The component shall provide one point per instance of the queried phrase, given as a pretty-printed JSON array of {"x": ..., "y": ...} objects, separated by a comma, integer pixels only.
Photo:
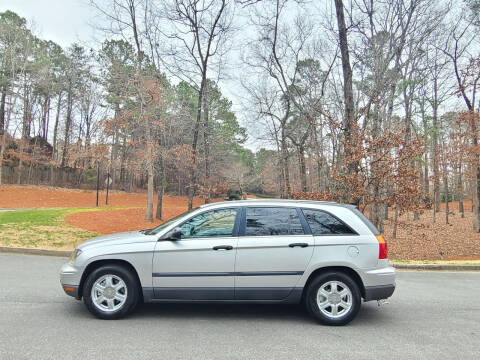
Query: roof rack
[{"x": 313, "y": 202}]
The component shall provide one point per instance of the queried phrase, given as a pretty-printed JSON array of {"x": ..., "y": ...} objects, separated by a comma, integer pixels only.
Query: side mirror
[{"x": 174, "y": 235}]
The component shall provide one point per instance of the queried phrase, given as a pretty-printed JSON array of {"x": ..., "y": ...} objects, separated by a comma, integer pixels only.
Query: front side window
[
  {"x": 167, "y": 223},
  {"x": 263, "y": 221},
  {"x": 214, "y": 223},
  {"x": 323, "y": 223}
]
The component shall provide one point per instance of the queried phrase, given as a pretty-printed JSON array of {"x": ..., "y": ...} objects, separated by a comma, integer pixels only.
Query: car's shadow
[
  {"x": 222, "y": 311},
  {"x": 369, "y": 313}
]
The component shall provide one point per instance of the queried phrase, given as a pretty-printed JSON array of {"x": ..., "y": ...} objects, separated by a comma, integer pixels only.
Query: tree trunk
[
  {"x": 44, "y": 118},
  {"x": 436, "y": 172},
  {"x": 123, "y": 177},
  {"x": 193, "y": 179},
  {"x": 426, "y": 178},
  {"x": 476, "y": 215},
  {"x": 20, "y": 163},
  {"x": 395, "y": 222},
  {"x": 303, "y": 168},
  {"x": 352, "y": 166},
  {"x": 460, "y": 192},
  {"x": 286, "y": 173},
  {"x": 150, "y": 163},
  {"x": 68, "y": 123},
  {"x": 158, "y": 214},
  {"x": 149, "y": 212},
  {"x": 445, "y": 186},
  {"x": 2, "y": 111},
  {"x": 2, "y": 150},
  {"x": 54, "y": 143},
  {"x": 206, "y": 143},
  {"x": 319, "y": 158},
  {"x": 3, "y": 131}
]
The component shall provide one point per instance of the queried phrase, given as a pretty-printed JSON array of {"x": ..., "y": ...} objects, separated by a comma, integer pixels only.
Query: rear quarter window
[
  {"x": 365, "y": 220},
  {"x": 324, "y": 223}
]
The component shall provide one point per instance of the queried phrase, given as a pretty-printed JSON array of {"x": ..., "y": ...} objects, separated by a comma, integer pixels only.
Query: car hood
[{"x": 119, "y": 238}]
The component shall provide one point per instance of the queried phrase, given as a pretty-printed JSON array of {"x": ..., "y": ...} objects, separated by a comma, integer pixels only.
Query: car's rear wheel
[
  {"x": 110, "y": 292},
  {"x": 333, "y": 298}
]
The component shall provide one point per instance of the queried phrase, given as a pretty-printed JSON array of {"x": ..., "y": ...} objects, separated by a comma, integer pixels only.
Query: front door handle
[
  {"x": 223, "y": 247},
  {"x": 298, "y": 245}
]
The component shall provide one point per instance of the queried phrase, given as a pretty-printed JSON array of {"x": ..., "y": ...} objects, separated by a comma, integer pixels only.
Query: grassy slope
[{"x": 41, "y": 229}]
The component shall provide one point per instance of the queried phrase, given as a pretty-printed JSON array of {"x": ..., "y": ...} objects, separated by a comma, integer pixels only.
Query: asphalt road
[{"x": 433, "y": 315}]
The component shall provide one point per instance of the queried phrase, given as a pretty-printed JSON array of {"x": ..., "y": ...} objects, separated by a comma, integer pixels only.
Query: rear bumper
[
  {"x": 379, "y": 283},
  {"x": 378, "y": 292}
]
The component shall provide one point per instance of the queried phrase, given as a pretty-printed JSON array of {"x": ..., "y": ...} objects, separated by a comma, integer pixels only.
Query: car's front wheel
[
  {"x": 110, "y": 292},
  {"x": 333, "y": 298}
]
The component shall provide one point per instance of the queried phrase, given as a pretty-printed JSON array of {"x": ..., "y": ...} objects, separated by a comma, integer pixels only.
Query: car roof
[{"x": 275, "y": 202}]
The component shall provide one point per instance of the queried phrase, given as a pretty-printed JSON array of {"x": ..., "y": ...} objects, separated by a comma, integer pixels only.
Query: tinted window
[
  {"x": 215, "y": 223},
  {"x": 322, "y": 223},
  {"x": 272, "y": 221}
]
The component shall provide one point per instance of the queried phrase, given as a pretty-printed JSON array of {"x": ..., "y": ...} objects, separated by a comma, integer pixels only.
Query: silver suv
[{"x": 326, "y": 255}]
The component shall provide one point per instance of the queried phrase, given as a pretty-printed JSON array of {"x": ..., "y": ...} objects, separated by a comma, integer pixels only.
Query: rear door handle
[
  {"x": 298, "y": 245},
  {"x": 223, "y": 247}
]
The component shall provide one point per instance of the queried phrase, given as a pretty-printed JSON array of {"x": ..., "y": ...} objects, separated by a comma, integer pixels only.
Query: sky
[
  {"x": 70, "y": 21},
  {"x": 62, "y": 21}
]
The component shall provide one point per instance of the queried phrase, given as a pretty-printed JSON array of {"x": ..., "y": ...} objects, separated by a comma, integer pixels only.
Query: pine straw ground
[
  {"x": 15, "y": 196},
  {"x": 425, "y": 240},
  {"x": 416, "y": 240}
]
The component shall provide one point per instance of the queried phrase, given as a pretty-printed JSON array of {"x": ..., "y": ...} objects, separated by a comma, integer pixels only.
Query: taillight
[{"x": 382, "y": 247}]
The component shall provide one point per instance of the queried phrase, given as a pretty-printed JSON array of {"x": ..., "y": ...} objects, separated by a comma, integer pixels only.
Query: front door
[
  {"x": 199, "y": 266},
  {"x": 273, "y": 252}
]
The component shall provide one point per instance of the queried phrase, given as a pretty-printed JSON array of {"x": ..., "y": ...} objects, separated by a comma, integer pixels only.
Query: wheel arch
[
  {"x": 98, "y": 263},
  {"x": 342, "y": 269}
]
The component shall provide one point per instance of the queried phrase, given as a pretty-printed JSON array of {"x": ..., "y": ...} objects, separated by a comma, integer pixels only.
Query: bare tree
[
  {"x": 457, "y": 48},
  {"x": 198, "y": 37}
]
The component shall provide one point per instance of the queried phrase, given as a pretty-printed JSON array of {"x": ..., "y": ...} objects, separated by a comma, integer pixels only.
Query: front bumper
[
  {"x": 71, "y": 290},
  {"x": 70, "y": 277}
]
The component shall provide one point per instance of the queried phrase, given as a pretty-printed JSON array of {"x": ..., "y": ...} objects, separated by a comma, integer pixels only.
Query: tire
[
  {"x": 346, "y": 300},
  {"x": 116, "y": 292}
]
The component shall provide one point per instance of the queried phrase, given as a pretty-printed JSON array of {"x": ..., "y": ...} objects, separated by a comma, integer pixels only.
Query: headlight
[{"x": 74, "y": 256}]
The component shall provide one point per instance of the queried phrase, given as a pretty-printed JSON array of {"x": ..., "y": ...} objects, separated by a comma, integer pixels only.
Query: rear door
[{"x": 274, "y": 249}]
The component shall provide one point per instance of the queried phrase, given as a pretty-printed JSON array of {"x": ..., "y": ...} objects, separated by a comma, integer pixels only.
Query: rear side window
[
  {"x": 264, "y": 221},
  {"x": 323, "y": 223}
]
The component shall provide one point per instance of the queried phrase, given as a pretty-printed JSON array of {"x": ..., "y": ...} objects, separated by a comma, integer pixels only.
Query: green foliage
[
  {"x": 234, "y": 194},
  {"x": 118, "y": 62},
  {"x": 91, "y": 174},
  {"x": 14, "y": 39},
  {"x": 450, "y": 197}
]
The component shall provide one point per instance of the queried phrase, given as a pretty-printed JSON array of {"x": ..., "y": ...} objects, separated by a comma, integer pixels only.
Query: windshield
[{"x": 167, "y": 223}]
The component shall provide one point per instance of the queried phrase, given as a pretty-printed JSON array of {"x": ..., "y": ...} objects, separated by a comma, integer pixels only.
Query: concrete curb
[
  {"x": 28, "y": 251},
  {"x": 437, "y": 267},
  {"x": 428, "y": 267}
]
